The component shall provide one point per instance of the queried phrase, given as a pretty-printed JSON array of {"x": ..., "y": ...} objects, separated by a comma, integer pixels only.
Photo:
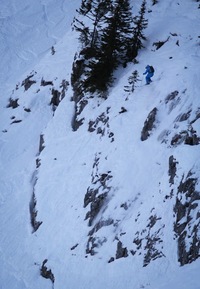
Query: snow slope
[
  {"x": 28, "y": 31},
  {"x": 48, "y": 170}
]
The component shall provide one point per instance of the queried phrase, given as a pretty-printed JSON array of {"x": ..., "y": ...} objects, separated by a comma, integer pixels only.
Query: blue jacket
[{"x": 148, "y": 71}]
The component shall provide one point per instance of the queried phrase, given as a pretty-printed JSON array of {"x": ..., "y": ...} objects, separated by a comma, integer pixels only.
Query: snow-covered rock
[{"x": 107, "y": 197}]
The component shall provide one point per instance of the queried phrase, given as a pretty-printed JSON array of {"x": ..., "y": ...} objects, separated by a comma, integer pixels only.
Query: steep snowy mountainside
[
  {"x": 23, "y": 121},
  {"x": 115, "y": 203},
  {"x": 28, "y": 31}
]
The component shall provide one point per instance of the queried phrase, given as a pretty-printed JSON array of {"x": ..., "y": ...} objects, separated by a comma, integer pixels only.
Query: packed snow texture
[{"x": 47, "y": 168}]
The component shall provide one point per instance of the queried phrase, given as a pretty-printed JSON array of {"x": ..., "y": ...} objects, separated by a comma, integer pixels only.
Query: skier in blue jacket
[{"x": 150, "y": 72}]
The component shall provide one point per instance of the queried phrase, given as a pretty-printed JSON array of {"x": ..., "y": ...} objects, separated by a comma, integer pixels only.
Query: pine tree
[
  {"x": 138, "y": 37},
  {"x": 124, "y": 30},
  {"x": 86, "y": 23},
  {"x": 93, "y": 10},
  {"x": 118, "y": 33},
  {"x": 132, "y": 80},
  {"x": 115, "y": 39},
  {"x": 106, "y": 39}
]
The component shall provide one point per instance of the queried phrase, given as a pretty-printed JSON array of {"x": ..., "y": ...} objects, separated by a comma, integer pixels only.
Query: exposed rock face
[
  {"x": 149, "y": 124},
  {"x": 77, "y": 121},
  {"x": 97, "y": 201},
  {"x": 97, "y": 193},
  {"x": 188, "y": 137},
  {"x": 46, "y": 273},
  {"x": 77, "y": 71},
  {"x": 184, "y": 116},
  {"x": 150, "y": 239},
  {"x": 41, "y": 144},
  {"x": 45, "y": 83},
  {"x": 121, "y": 252},
  {"x": 55, "y": 100},
  {"x": 172, "y": 169},
  {"x": 33, "y": 212},
  {"x": 28, "y": 82},
  {"x": 78, "y": 95},
  {"x": 187, "y": 223},
  {"x": 41, "y": 147},
  {"x": 101, "y": 223},
  {"x": 171, "y": 96},
  {"x": 57, "y": 95},
  {"x": 13, "y": 103},
  {"x": 33, "y": 203},
  {"x": 159, "y": 44},
  {"x": 101, "y": 125},
  {"x": 97, "y": 197},
  {"x": 172, "y": 100}
]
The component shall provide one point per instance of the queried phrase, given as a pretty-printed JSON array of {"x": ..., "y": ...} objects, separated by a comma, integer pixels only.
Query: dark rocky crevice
[
  {"x": 45, "y": 83},
  {"x": 13, "y": 103},
  {"x": 151, "y": 252},
  {"x": 187, "y": 220},
  {"x": 100, "y": 224},
  {"x": 149, "y": 124},
  {"x": 95, "y": 207},
  {"x": 172, "y": 96},
  {"x": 96, "y": 198},
  {"x": 97, "y": 193},
  {"x": 149, "y": 241},
  {"x": 58, "y": 95},
  {"x": 33, "y": 202},
  {"x": 41, "y": 143},
  {"x": 33, "y": 213},
  {"x": 172, "y": 100},
  {"x": 101, "y": 125},
  {"x": 188, "y": 137},
  {"x": 121, "y": 252},
  {"x": 93, "y": 244},
  {"x": 184, "y": 116},
  {"x": 196, "y": 118},
  {"x": 159, "y": 44},
  {"x": 46, "y": 273},
  {"x": 172, "y": 169},
  {"x": 28, "y": 82},
  {"x": 79, "y": 107}
]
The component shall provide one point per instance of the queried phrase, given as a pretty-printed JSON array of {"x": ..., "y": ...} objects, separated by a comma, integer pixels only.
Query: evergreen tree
[
  {"x": 107, "y": 36},
  {"x": 124, "y": 34},
  {"x": 140, "y": 23},
  {"x": 118, "y": 33},
  {"x": 87, "y": 23},
  {"x": 115, "y": 39},
  {"x": 84, "y": 35},
  {"x": 132, "y": 80},
  {"x": 94, "y": 11}
]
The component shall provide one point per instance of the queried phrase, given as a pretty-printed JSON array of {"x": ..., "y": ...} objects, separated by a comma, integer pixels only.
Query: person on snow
[{"x": 150, "y": 72}]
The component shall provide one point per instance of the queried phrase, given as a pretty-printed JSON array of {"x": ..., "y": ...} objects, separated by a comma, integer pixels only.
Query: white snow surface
[{"x": 139, "y": 169}]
